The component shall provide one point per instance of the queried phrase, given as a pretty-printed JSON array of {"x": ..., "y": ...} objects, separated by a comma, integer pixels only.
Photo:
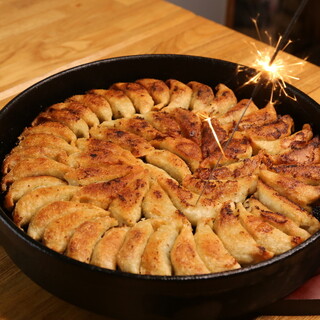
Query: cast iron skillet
[{"x": 129, "y": 296}]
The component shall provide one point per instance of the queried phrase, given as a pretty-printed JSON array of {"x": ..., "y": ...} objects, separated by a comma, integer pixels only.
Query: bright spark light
[{"x": 276, "y": 72}]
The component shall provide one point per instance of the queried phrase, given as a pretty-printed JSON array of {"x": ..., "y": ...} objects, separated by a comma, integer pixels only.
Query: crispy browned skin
[
  {"x": 139, "y": 96},
  {"x": 189, "y": 123},
  {"x": 129, "y": 141},
  {"x": 239, "y": 148},
  {"x": 97, "y": 103},
  {"x": 163, "y": 122},
  {"x": 309, "y": 173},
  {"x": 224, "y": 100},
  {"x": 138, "y": 126},
  {"x": 271, "y": 131},
  {"x": 180, "y": 95},
  {"x": 158, "y": 90},
  {"x": 202, "y": 97}
]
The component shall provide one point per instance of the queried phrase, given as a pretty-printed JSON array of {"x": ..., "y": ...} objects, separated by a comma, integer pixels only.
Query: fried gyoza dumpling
[
  {"x": 19, "y": 154},
  {"x": 85, "y": 237},
  {"x": 130, "y": 253},
  {"x": 224, "y": 100},
  {"x": 234, "y": 113},
  {"x": 259, "y": 118},
  {"x": 158, "y": 90},
  {"x": 276, "y": 219},
  {"x": 157, "y": 204},
  {"x": 189, "y": 123},
  {"x": 202, "y": 97},
  {"x": 120, "y": 104},
  {"x": 184, "y": 256},
  {"x": 76, "y": 124},
  {"x": 54, "y": 210},
  {"x": 58, "y": 232},
  {"x": 236, "y": 238},
  {"x": 309, "y": 173},
  {"x": 180, "y": 95},
  {"x": 24, "y": 185},
  {"x": 106, "y": 249},
  {"x": 238, "y": 149},
  {"x": 136, "y": 125},
  {"x": 295, "y": 190},
  {"x": 155, "y": 259},
  {"x": 283, "y": 144},
  {"x": 189, "y": 203},
  {"x": 139, "y": 96},
  {"x": 222, "y": 190},
  {"x": 265, "y": 233},
  {"x": 164, "y": 123},
  {"x": 35, "y": 167},
  {"x": 183, "y": 148},
  {"x": 51, "y": 127},
  {"x": 97, "y": 103},
  {"x": 29, "y": 204},
  {"x": 169, "y": 162},
  {"x": 126, "y": 205},
  {"x": 129, "y": 141},
  {"x": 211, "y": 250},
  {"x": 277, "y": 203},
  {"x": 46, "y": 140},
  {"x": 277, "y": 129}
]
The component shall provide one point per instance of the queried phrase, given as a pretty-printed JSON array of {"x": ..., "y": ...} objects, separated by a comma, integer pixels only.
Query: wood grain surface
[{"x": 39, "y": 38}]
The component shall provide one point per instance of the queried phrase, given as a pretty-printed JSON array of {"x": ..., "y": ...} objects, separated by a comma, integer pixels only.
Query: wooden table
[{"x": 39, "y": 38}]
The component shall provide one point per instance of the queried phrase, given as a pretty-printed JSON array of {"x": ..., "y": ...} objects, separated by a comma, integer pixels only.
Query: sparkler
[{"x": 269, "y": 70}]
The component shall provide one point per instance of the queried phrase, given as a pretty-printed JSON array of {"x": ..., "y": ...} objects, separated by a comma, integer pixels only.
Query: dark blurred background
[{"x": 273, "y": 18}]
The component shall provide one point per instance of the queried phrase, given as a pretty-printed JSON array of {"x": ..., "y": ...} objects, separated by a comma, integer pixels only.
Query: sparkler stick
[{"x": 281, "y": 45}]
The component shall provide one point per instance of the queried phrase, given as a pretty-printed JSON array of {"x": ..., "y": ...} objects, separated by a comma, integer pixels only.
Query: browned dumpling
[
  {"x": 51, "y": 127},
  {"x": 189, "y": 123},
  {"x": 97, "y": 103},
  {"x": 202, "y": 97},
  {"x": 180, "y": 95},
  {"x": 309, "y": 173},
  {"x": 85, "y": 237},
  {"x": 265, "y": 233},
  {"x": 58, "y": 233},
  {"x": 29, "y": 204},
  {"x": 139, "y": 96},
  {"x": 131, "y": 251},
  {"x": 120, "y": 104},
  {"x": 127, "y": 140},
  {"x": 106, "y": 249},
  {"x": 19, "y": 154},
  {"x": 276, "y": 219},
  {"x": 158, "y": 90},
  {"x": 277, "y": 129},
  {"x": 169, "y": 162},
  {"x": 164, "y": 123},
  {"x": 184, "y": 256},
  {"x": 224, "y": 100},
  {"x": 211, "y": 250},
  {"x": 133, "y": 178},
  {"x": 182, "y": 147},
  {"x": 276, "y": 202},
  {"x": 24, "y": 185},
  {"x": 236, "y": 238},
  {"x": 35, "y": 167},
  {"x": 48, "y": 213},
  {"x": 155, "y": 259}
]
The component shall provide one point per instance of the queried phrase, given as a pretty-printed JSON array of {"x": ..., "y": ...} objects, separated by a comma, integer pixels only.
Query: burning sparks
[{"x": 276, "y": 72}]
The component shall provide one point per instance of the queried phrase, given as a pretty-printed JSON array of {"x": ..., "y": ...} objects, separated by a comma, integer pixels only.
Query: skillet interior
[{"x": 151, "y": 297}]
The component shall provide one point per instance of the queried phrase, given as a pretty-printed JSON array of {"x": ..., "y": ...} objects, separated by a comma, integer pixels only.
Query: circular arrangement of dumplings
[{"x": 113, "y": 177}]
